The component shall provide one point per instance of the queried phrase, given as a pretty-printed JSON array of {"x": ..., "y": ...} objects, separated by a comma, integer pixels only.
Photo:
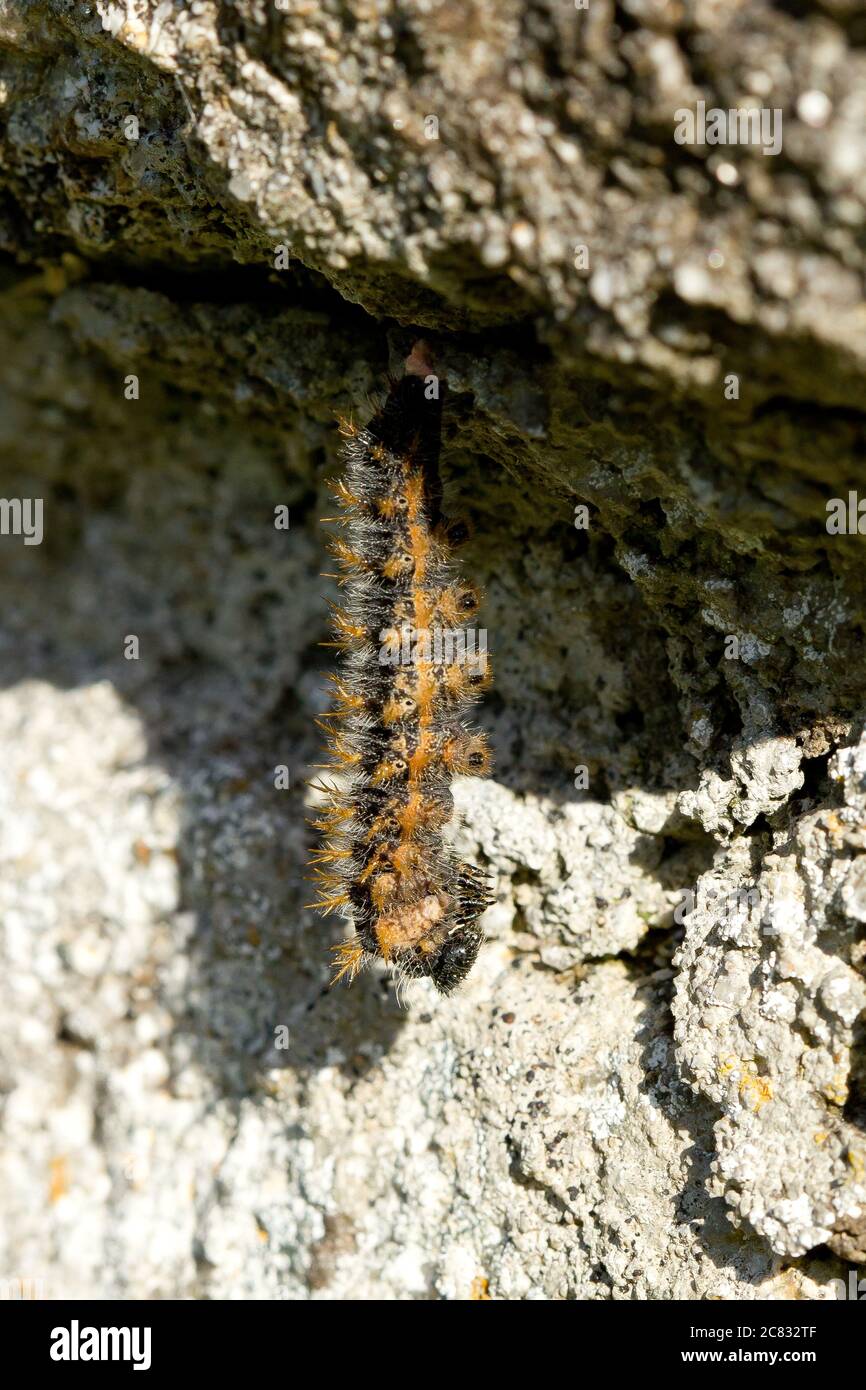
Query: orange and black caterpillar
[{"x": 396, "y": 730}]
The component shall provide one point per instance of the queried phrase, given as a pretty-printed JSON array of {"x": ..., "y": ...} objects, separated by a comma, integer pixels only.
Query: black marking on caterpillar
[{"x": 396, "y": 732}]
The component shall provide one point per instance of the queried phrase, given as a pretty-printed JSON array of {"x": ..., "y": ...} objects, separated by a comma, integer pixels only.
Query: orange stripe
[{"x": 419, "y": 546}]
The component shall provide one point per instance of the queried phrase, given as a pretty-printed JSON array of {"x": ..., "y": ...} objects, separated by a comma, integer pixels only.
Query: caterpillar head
[
  {"x": 445, "y": 957},
  {"x": 452, "y": 961},
  {"x": 447, "y": 954}
]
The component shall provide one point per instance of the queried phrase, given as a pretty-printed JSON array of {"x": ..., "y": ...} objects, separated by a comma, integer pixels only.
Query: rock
[{"x": 220, "y": 228}]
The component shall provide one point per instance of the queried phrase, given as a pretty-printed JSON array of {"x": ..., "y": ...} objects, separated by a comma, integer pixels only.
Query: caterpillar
[{"x": 396, "y": 733}]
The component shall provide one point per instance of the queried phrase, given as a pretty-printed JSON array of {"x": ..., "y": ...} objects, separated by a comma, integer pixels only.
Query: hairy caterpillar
[{"x": 396, "y": 730}]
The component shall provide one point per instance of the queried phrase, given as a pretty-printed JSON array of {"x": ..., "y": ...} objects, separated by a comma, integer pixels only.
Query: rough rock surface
[{"x": 220, "y": 224}]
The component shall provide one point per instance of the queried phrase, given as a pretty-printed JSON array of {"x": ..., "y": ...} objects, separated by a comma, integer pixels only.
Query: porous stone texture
[
  {"x": 221, "y": 225},
  {"x": 768, "y": 994}
]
